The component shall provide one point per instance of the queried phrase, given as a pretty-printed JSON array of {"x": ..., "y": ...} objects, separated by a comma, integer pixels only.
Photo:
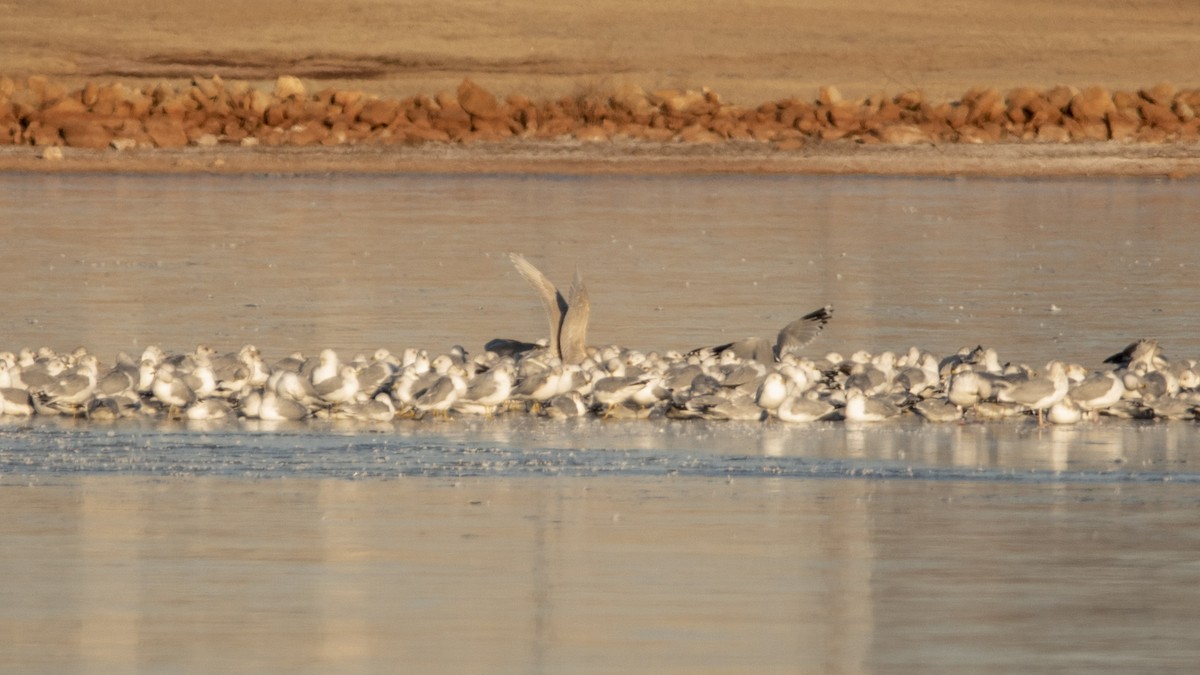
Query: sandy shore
[
  {"x": 748, "y": 52},
  {"x": 1091, "y": 159}
]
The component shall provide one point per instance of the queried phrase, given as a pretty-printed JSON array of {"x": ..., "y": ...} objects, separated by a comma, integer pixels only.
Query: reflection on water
[
  {"x": 599, "y": 575},
  {"x": 1106, "y": 451},
  {"x": 360, "y": 262}
]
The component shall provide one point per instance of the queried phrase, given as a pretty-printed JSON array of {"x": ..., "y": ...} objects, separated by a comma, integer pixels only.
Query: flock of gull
[{"x": 563, "y": 377}]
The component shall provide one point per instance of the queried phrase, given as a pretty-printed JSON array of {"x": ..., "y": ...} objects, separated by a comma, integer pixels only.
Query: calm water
[
  {"x": 528, "y": 546},
  {"x": 357, "y": 263}
]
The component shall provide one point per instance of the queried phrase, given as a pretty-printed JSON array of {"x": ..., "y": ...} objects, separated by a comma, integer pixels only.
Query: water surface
[
  {"x": 360, "y": 262},
  {"x": 518, "y": 545}
]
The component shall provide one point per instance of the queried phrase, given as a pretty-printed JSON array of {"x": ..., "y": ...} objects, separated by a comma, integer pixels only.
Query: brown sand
[{"x": 748, "y": 52}]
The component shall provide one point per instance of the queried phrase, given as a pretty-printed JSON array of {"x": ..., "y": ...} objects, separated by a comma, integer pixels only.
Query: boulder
[
  {"x": 1123, "y": 125},
  {"x": 1160, "y": 116},
  {"x": 83, "y": 133},
  {"x": 902, "y": 134},
  {"x": 985, "y": 105},
  {"x": 699, "y": 135},
  {"x": 591, "y": 134},
  {"x": 287, "y": 86},
  {"x": 829, "y": 95},
  {"x": 166, "y": 132},
  {"x": 632, "y": 98},
  {"x": 1092, "y": 105},
  {"x": 1161, "y": 93},
  {"x": 910, "y": 100},
  {"x": 1053, "y": 133},
  {"x": 43, "y": 135},
  {"x": 477, "y": 101},
  {"x": 378, "y": 113}
]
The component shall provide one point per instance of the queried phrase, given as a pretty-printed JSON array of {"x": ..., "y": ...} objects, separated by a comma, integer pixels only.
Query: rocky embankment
[{"x": 39, "y": 112}]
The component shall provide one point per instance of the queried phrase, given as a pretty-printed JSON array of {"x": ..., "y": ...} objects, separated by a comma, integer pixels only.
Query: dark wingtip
[{"x": 824, "y": 314}]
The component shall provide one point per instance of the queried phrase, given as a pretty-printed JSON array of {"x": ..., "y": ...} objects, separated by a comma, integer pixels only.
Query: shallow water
[
  {"x": 360, "y": 262},
  {"x": 650, "y": 574},
  {"x": 519, "y": 545}
]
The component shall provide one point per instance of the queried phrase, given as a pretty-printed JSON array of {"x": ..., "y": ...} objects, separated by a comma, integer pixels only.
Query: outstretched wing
[
  {"x": 573, "y": 338},
  {"x": 553, "y": 301},
  {"x": 797, "y": 334}
]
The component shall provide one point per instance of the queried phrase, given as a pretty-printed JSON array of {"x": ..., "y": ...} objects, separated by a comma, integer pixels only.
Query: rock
[
  {"x": 1149, "y": 134},
  {"x": 166, "y": 132},
  {"x": 206, "y": 140},
  {"x": 1161, "y": 93},
  {"x": 82, "y": 133},
  {"x": 1160, "y": 116},
  {"x": 902, "y": 134},
  {"x": 122, "y": 144},
  {"x": 829, "y": 95},
  {"x": 699, "y": 135},
  {"x": 986, "y": 105},
  {"x": 478, "y": 101},
  {"x": 52, "y": 153},
  {"x": 910, "y": 100},
  {"x": 210, "y": 88},
  {"x": 43, "y": 135},
  {"x": 287, "y": 86},
  {"x": 379, "y": 113},
  {"x": 1123, "y": 125},
  {"x": 846, "y": 116},
  {"x": 988, "y": 132},
  {"x": 1092, "y": 105},
  {"x": 258, "y": 102},
  {"x": 1086, "y": 131},
  {"x": 1126, "y": 100},
  {"x": 1060, "y": 96},
  {"x": 1053, "y": 133},
  {"x": 306, "y": 135},
  {"x": 632, "y": 98},
  {"x": 591, "y": 134},
  {"x": 677, "y": 101}
]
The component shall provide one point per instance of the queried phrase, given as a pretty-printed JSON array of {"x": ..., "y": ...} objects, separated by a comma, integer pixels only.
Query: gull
[
  {"x": 722, "y": 404},
  {"x": 1144, "y": 352},
  {"x": 340, "y": 388},
  {"x": 487, "y": 391},
  {"x": 968, "y": 387},
  {"x": 610, "y": 392},
  {"x": 120, "y": 378},
  {"x": 328, "y": 365},
  {"x": 273, "y": 408},
  {"x": 1039, "y": 393},
  {"x": 442, "y": 394},
  {"x": 565, "y": 406},
  {"x": 772, "y": 392},
  {"x": 15, "y": 402},
  {"x": 861, "y": 408},
  {"x": 170, "y": 390},
  {"x": 378, "y": 409},
  {"x": 72, "y": 390},
  {"x": 803, "y": 408},
  {"x": 567, "y": 318},
  {"x": 791, "y": 339},
  {"x": 209, "y": 409},
  {"x": 1064, "y": 411},
  {"x": 1097, "y": 392},
  {"x": 937, "y": 410}
]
